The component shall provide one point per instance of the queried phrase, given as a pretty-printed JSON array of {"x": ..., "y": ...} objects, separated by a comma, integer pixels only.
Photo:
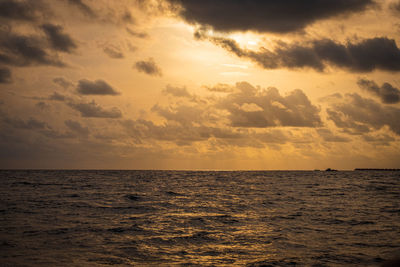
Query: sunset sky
[{"x": 190, "y": 84}]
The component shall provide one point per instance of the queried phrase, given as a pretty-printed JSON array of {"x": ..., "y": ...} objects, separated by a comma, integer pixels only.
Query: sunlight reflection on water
[{"x": 80, "y": 218}]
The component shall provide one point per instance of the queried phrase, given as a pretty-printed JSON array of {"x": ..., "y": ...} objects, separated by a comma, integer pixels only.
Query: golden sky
[{"x": 189, "y": 84}]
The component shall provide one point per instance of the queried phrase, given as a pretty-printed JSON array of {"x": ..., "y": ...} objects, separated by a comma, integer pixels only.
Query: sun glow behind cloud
[{"x": 170, "y": 90}]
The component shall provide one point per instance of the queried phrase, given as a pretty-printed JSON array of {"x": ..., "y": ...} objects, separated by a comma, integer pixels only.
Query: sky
[{"x": 202, "y": 85}]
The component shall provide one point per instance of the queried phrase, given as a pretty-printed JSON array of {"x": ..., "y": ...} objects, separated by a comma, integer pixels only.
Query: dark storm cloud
[
  {"x": 148, "y": 67},
  {"x": 363, "y": 56},
  {"x": 98, "y": 87},
  {"x": 93, "y": 110},
  {"x": 76, "y": 127},
  {"x": 113, "y": 52},
  {"x": 58, "y": 40},
  {"x": 387, "y": 93},
  {"x": 18, "y": 10},
  {"x": 64, "y": 83},
  {"x": 20, "y": 50},
  {"x": 252, "y": 107},
  {"x": 5, "y": 75},
  {"x": 358, "y": 115},
  {"x": 264, "y": 15}
]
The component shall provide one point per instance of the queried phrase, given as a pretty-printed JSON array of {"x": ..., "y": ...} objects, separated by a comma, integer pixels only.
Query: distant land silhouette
[{"x": 375, "y": 169}]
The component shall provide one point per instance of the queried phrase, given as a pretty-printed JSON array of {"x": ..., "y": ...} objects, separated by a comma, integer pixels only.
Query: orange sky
[{"x": 185, "y": 84}]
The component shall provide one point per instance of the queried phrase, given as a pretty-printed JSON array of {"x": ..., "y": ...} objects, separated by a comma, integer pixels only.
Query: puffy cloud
[
  {"x": 58, "y": 40},
  {"x": 148, "y": 67},
  {"x": 93, "y": 110},
  {"x": 295, "y": 109},
  {"x": 113, "y": 52},
  {"x": 176, "y": 91},
  {"x": 264, "y": 15},
  {"x": 98, "y": 87},
  {"x": 19, "y": 10},
  {"x": 64, "y": 83},
  {"x": 76, "y": 127},
  {"x": 363, "y": 56},
  {"x": 358, "y": 115},
  {"x": 387, "y": 93},
  {"x": 20, "y": 50},
  {"x": 5, "y": 75},
  {"x": 57, "y": 97},
  {"x": 183, "y": 114}
]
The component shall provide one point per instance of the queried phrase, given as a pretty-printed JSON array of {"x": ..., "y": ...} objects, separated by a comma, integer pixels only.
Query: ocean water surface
[{"x": 199, "y": 218}]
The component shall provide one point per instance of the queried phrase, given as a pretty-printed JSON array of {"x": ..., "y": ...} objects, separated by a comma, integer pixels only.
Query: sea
[{"x": 198, "y": 218}]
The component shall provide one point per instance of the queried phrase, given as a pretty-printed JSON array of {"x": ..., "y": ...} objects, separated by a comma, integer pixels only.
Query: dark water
[{"x": 174, "y": 218}]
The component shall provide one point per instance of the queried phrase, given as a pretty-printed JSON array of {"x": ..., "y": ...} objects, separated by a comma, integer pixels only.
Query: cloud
[
  {"x": 76, "y": 127},
  {"x": 328, "y": 136},
  {"x": 93, "y": 110},
  {"x": 58, "y": 40},
  {"x": 57, "y": 97},
  {"x": 295, "y": 109},
  {"x": 84, "y": 8},
  {"x": 176, "y": 91},
  {"x": 387, "y": 93},
  {"x": 102, "y": 12},
  {"x": 148, "y": 67},
  {"x": 64, "y": 83},
  {"x": 20, "y": 50},
  {"x": 358, "y": 115},
  {"x": 113, "y": 52},
  {"x": 54, "y": 134},
  {"x": 98, "y": 87},
  {"x": 331, "y": 97},
  {"x": 29, "y": 124},
  {"x": 42, "y": 105},
  {"x": 5, "y": 75},
  {"x": 136, "y": 33},
  {"x": 140, "y": 130},
  {"x": 379, "y": 139},
  {"x": 19, "y": 10},
  {"x": 221, "y": 88},
  {"x": 363, "y": 56},
  {"x": 395, "y": 6},
  {"x": 245, "y": 107},
  {"x": 264, "y": 16}
]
